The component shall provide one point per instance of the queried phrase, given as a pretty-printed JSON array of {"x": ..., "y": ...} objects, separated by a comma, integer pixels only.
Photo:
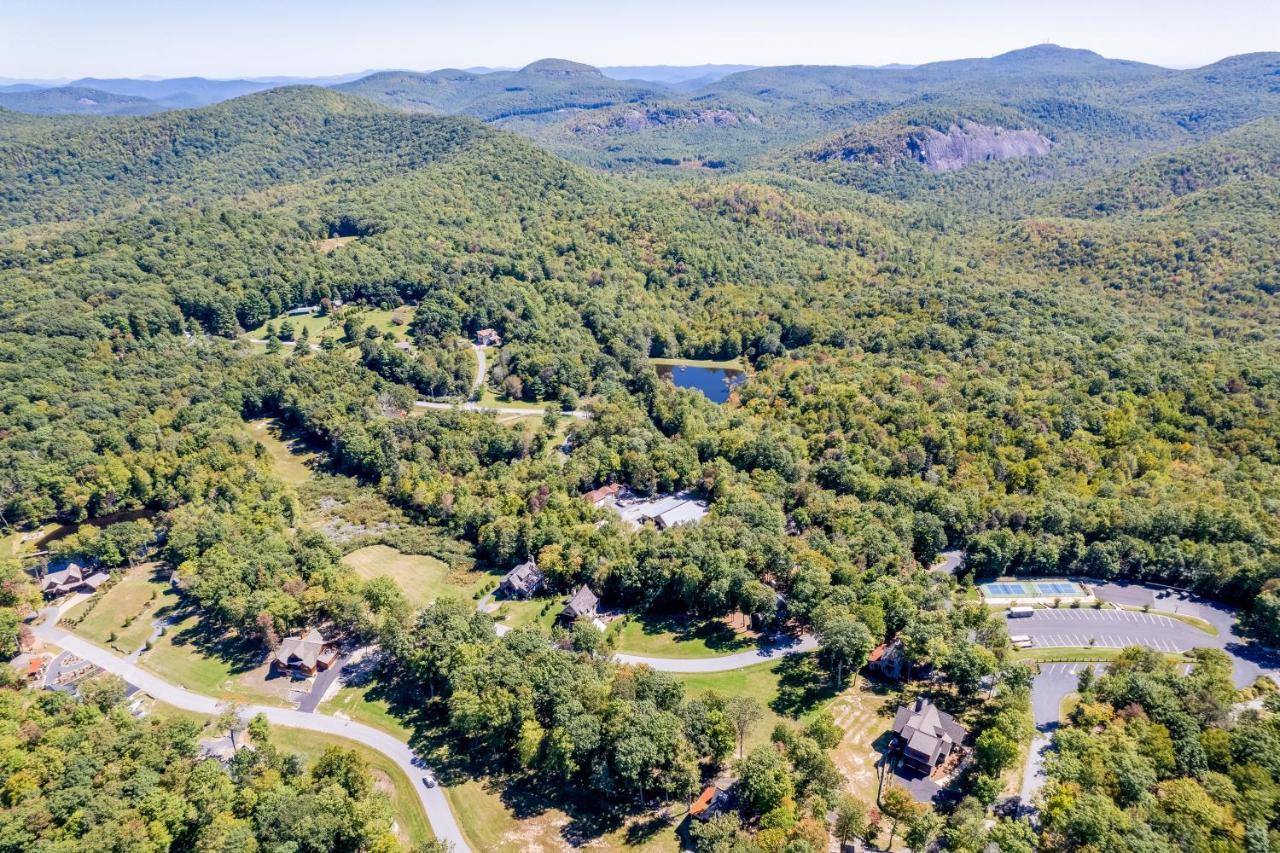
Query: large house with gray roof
[{"x": 925, "y": 735}]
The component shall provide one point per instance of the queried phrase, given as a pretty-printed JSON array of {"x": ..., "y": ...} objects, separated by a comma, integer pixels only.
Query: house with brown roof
[
  {"x": 715, "y": 799},
  {"x": 30, "y": 668},
  {"x": 602, "y": 495},
  {"x": 488, "y": 338},
  {"x": 522, "y": 581},
  {"x": 581, "y": 605},
  {"x": 890, "y": 661},
  {"x": 72, "y": 578},
  {"x": 925, "y": 735},
  {"x": 305, "y": 655}
]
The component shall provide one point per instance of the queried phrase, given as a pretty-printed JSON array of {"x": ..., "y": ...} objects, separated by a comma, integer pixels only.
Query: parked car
[{"x": 429, "y": 780}]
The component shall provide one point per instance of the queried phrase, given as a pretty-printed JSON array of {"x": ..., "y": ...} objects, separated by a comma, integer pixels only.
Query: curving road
[{"x": 433, "y": 800}]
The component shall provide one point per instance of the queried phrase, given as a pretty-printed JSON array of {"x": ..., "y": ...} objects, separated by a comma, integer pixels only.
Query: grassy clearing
[
  {"x": 328, "y": 245},
  {"x": 490, "y": 824},
  {"x": 866, "y": 718},
  {"x": 358, "y": 703},
  {"x": 488, "y": 398},
  {"x": 518, "y": 614},
  {"x": 121, "y": 618},
  {"x": 392, "y": 781},
  {"x": 730, "y": 364},
  {"x": 680, "y": 638},
  {"x": 330, "y": 325},
  {"x": 21, "y": 542},
  {"x": 1079, "y": 654},
  {"x": 1194, "y": 621},
  {"x": 221, "y": 666},
  {"x": 422, "y": 578},
  {"x": 291, "y": 460}
]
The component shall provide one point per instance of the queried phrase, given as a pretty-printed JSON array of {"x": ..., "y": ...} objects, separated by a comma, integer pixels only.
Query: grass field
[
  {"x": 121, "y": 618},
  {"x": 864, "y": 716},
  {"x": 330, "y": 326},
  {"x": 422, "y": 578},
  {"x": 1078, "y": 654},
  {"x": 290, "y": 458},
  {"x": 678, "y": 638},
  {"x": 488, "y": 398},
  {"x": 730, "y": 364},
  {"x": 229, "y": 670},
  {"x": 517, "y": 614},
  {"x": 355, "y": 703},
  {"x": 405, "y": 804},
  {"x": 490, "y": 825},
  {"x": 1194, "y": 621}
]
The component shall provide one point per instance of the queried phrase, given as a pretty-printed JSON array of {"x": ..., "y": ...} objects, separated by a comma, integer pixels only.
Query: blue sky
[{"x": 72, "y": 38}]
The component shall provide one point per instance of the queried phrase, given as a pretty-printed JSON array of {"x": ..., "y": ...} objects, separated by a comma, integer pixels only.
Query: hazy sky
[{"x": 73, "y": 38}]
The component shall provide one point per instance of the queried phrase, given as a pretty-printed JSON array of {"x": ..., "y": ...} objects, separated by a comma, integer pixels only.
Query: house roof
[
  {"x": 28, "y": 664},
  {"x": 96, "y": 579},
  {"x": 704, "y": 800},
  {"x": 685, "y": 513},
  {"x": 307, "y": 650},
  {"x": 73, "y": 573},
  {"x": 525, "y": 577},
  {"x": 885, "y": 651},
  {"x": 582, "y": 601},
  {"x": 595, "y": 496},
  {"x": 928, "y": 732}
]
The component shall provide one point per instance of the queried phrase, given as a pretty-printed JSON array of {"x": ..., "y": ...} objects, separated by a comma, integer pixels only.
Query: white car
[{"x": 429, "y": 780}]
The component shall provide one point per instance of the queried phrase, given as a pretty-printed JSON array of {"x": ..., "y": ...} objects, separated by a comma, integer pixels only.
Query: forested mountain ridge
[
  {"x": 545, "y": 86},
  {"x": 55, "y": 171}
]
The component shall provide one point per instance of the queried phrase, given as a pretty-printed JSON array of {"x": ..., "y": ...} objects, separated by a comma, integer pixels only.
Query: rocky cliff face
[
  {"x": 972, "y": 143},
  {"x": 642, "y": 118}
]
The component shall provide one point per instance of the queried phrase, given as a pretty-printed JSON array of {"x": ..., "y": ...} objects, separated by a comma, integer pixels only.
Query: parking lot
[{"x": 1108, "y": 629}]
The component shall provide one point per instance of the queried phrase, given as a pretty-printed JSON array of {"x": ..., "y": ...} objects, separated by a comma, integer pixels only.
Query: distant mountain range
[{"x": 849, "y": 123}]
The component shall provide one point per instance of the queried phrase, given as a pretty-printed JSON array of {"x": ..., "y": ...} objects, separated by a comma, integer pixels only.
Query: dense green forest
[
  {"x": 84, "y": 775},
  {"x": 1063, "y": 364}
]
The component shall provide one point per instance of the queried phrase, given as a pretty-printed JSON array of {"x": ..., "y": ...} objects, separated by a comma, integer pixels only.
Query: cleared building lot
[{"x": 1109, "y": 629}]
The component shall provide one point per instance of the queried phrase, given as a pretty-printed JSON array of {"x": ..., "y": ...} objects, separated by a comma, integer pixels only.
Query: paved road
[
  {"x": 1054, "y": 683},
  {"x": 805, "y": 643},
  {"x": 951, "y": 560},
  {"x": 433, "y": 800}
]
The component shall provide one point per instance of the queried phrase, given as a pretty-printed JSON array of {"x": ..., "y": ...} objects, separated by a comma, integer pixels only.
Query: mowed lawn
[
  {"x": 120, "y": 618},
  {"x": 866, "y": 718},
  {"x": 290, "y": 459},
  {"x": 331, "y": 326},
  {"x": 221, "y": 667},
  {"x": 357, "y": 703},
  {"x": 422, "y": 578},
  {"x": 490, "y": 825},
  {"x": 518, "y": 614},
  {"x": 680, "y": 638},
  {"x": 761, "y": 681}
]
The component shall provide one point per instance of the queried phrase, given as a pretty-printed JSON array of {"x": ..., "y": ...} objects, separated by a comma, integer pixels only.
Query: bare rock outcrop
[{"x": 972, "y": 143}]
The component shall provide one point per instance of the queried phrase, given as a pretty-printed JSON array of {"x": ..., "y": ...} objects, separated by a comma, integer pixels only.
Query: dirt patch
[{"x": 327, "y": 246}]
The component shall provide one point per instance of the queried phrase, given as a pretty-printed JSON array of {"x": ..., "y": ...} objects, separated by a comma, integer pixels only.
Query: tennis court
[{"x": 1033, "y": 589}]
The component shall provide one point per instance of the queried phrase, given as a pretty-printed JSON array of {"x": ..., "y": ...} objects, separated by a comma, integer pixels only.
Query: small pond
[
  {"x": 62, "y": 531},
  {"x": 715, "y": 383}
]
